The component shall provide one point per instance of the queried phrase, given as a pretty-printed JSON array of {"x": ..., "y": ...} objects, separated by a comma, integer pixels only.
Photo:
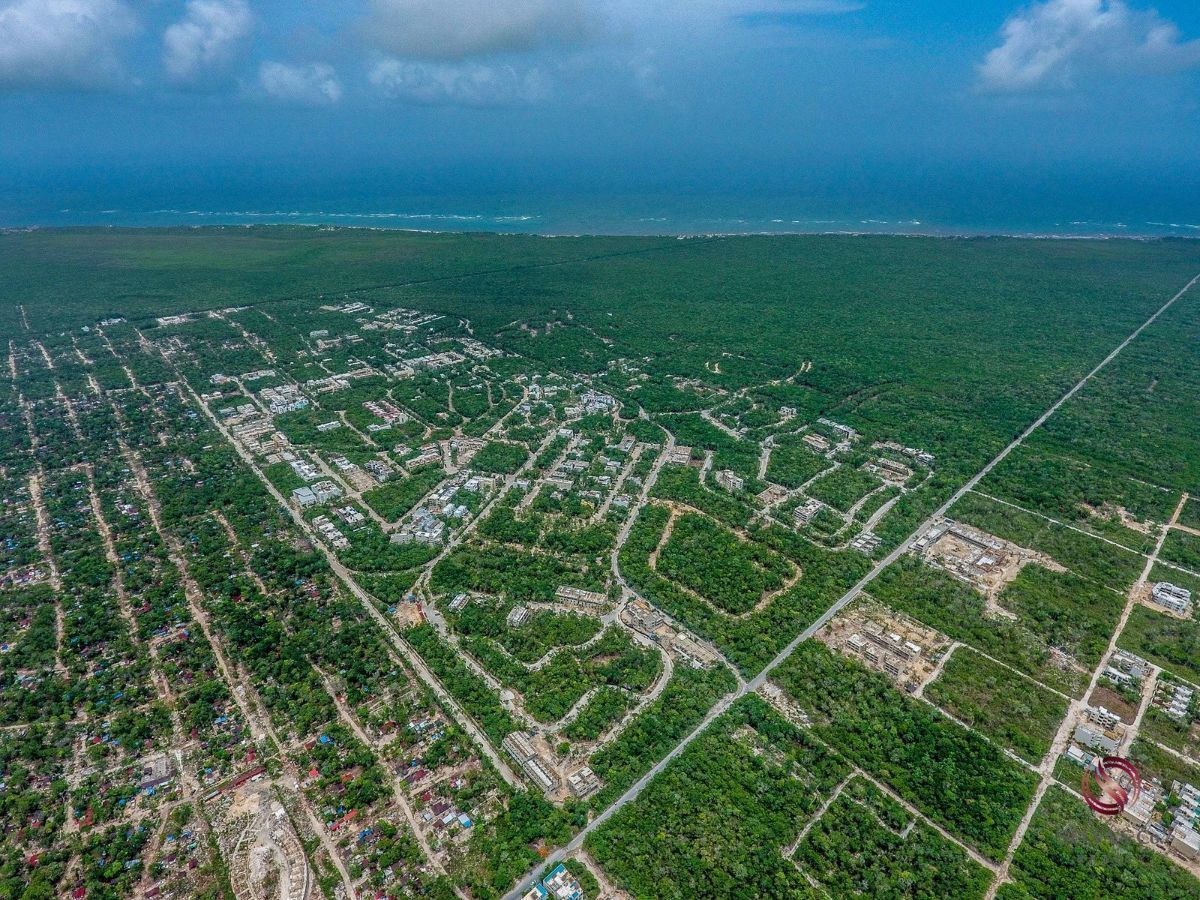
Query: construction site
[
  {"x": 266, "y": 858},
  {"x": 892, "y": 643},
  {"x": 980, "y": 559}
]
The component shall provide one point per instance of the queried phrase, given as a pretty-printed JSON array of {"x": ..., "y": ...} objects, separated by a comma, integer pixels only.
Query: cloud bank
[
  {"x": 461, "y": 29},
  {"x": 315, "y": 84},
  {"x": 1060, "y": 43},
  {"x": 63, "y": 43},
  {"x": 207, "y": 40}
]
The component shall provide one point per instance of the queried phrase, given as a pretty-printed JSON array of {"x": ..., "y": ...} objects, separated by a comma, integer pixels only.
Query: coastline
[{"x": 947, "y": 233}]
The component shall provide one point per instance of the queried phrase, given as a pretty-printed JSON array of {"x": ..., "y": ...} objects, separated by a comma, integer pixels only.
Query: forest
[
  {"x": 730, "y": 573},
  {"x": 157, "y": 596},
  {"x": 1016, "y": 713},
  {"x": 866, "y": 844},
  {"x": 951, "y": 774},
  {"x": 714, "y": 822}
]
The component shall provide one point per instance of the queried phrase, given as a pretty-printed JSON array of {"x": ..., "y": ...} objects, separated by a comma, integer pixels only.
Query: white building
[
  {"x": 806, "y": 512},
  {"x": 730, "y": 480},
  {"x": 326, "y": 491},
  {"x": 1172, "y": 597}
]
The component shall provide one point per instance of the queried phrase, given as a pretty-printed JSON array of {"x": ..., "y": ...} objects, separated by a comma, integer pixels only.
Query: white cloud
[
  {"x": 54, "y": 43},
  {"x": 460, "y": 29},
  {"x": 207, "y": 40},
  {"x": 461, "y": 84},
  {"x": 315, "y": 84},
  {"x": 1054, "y": 43}
]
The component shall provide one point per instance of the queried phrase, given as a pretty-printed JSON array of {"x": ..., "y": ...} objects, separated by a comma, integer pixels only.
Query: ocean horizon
[
  {"x": 558, "y": 223},
  {"x": 952, "y": 210}
]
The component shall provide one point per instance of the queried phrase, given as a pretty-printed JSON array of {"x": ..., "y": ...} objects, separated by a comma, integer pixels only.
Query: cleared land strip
[
  {"x": 631, "y": 794},
  {"x": 1058, "y": 522}
]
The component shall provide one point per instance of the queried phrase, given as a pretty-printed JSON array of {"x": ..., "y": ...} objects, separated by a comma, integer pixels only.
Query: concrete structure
[
  {"x": 1103, "y": 717},
  {"x": 1174, "y": 699},
  {"x": 583, "y": 782},
  {"x": 865, "y": 542},
  {"x": 1079, "y": 757},
  {"x": 379, "y": 470},
  {"x": 429, "y": 454},
  {"x": 581, "y": 599},
  {"x": 305, "y": 469},
  {"x": 1131, "y": 665},
  {"x": 330, "y": 532},
  {"x": 892, "y": 470},
  {"x": 1186, "y": 842},
  {"x": 806, "y": 512},
  {"x": 1172, "y": 597},
  {"x": 326, "y": 491},
  {"x": 1141, "y": 810},
  {"x": 285, "y": 398},
  {"x": 1096, "y": 740},
  {"x": 562, "y": 885},
  {"x": 817, "y": 442},
  {"x": 730, "y": 480},
  {"x": 521, "y": 749},
  {"x": 844, "y": 432},
  {"x": 423, "y": 529},
  {"x": 680, "y": 456},
  {"x": 304, "y": 496},
  {"x": 517, "y": 616}
]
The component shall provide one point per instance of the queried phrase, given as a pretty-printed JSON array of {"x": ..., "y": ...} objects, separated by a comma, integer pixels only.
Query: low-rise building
[
  {"x": 305, "y": 469},
  {"x": 562, "y": 885},
  {"x": 379, "y": 470},
  {"x": 680, "y": 456},
  {"x": 330, "y": 532},
  {"x": 1103, "y": 717},
  {"x": 866, "y": 542},
  {"x": 1172, "y": 597},
  {"x": 805, "y": 512},
  {"x": 424, "y": 528},
  {"x": 817, "y": 442},
  {"x": 326, "y": 491},
  {"x": 522, "y": 750},
  {"x": 1079, "y": 757},
  {"x": 730, "y": 480},
  {"x": 1141, "y": 810},
  {"x": 844, "y": 432},
  {"x": 583, "y": 782},
  {"x": 1186, "y": 842},
  {"x": 1095, "y": 739},
  {"x": 577, "y": 597}
]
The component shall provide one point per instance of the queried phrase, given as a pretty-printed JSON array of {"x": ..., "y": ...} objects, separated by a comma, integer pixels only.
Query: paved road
[{"x": 531, "y": 878}]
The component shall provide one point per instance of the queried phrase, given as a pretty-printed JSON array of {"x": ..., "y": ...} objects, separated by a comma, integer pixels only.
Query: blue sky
[{"x": 706, "y": 95}]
